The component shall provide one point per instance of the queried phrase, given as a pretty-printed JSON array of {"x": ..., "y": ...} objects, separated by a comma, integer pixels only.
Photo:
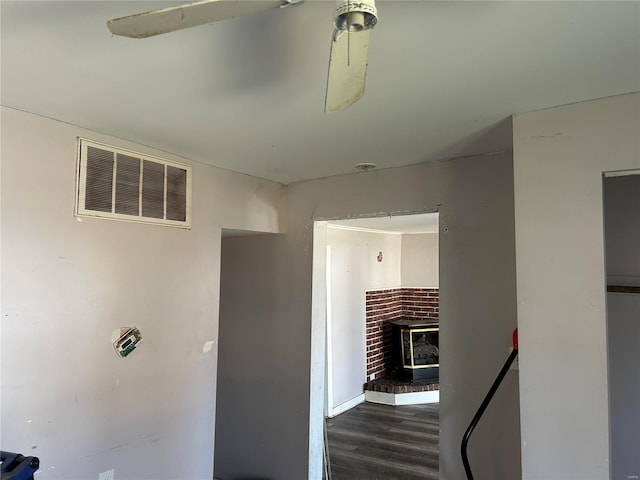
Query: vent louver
[{"x": 123, "y": 185}]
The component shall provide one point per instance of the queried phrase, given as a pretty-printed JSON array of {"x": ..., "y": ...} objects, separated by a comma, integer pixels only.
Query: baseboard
[
  {"x": 348, "y": 405},
  {"x": 411, "y": 398}
]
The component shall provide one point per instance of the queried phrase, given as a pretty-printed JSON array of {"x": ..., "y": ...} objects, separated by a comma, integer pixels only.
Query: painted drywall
[
  {"x": 560, "y": 155},
  {"x": 475, "y": 199},
  {"x": 420, "y": 260},
  {"x": 67, "y": 284},
  {"x": 282, "y": 439},
  {"x": 354, "y": 269},
  {"x": 622, "y": 241}
]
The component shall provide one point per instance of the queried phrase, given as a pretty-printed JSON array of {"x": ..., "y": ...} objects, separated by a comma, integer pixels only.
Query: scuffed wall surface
[
  {"x": 477, "y": 285},
  {"x": 560, "y": 155},
  {"x": 67, "y": 284}
]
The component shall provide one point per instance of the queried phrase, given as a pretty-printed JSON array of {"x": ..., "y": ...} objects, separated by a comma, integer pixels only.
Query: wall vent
[{"x": 122, "y": 185}]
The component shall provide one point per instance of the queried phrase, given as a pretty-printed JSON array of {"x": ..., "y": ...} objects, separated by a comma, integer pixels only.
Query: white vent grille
[{"x": 123, "y": 185}]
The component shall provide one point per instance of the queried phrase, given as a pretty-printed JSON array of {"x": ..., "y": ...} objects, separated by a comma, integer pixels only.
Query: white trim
[
  {"x": 334, "y": 226},
  {"x": 365, "y": 360},
  {"x": 380, "y": 289},
  {"x": 417, "y": 287},
  {"x": 621, "y": 173},
  {"x": 81, "y": 172},
  {"x": 373, "y": 290},
  {"x": 394, "y": 399},
  {"x": 317, "y": 374},
  {"x": 330, "y": 406},
  {"x": 348, "y": 405}
]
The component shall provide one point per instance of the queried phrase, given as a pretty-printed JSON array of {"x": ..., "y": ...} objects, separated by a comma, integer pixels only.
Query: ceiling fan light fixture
[
  {"x": 355, "y": 21},
  {"x": 356, "y": 16}
]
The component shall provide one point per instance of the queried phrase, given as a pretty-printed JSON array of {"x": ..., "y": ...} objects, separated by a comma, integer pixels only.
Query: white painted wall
[
  {"x": 66, "y": 397},
  {"x": 420, "y": 260},
  {"x": 355, "y": 269},
  {"x": 622, "y": 241},
  {"x": 560, "y": 155}
]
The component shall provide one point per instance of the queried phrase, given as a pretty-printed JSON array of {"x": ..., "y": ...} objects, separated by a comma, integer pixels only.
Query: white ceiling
[
  {"x": 418, "y": 223},
  {"x": 247, "y": 94}
]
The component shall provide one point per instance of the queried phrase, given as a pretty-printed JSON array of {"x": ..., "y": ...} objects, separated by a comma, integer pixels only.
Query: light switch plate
[{"x": 108, "y": 475}]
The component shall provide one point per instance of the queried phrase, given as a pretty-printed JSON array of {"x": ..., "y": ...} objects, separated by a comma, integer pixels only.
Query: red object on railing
[{"x": 515, "y": 339}]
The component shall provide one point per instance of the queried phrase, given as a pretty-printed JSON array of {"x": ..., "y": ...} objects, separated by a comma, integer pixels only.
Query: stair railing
[{"x": 485, "y": 403}]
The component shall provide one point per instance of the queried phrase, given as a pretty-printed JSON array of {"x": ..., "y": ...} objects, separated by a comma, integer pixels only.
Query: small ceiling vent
[{"x": 123, "y": 185}]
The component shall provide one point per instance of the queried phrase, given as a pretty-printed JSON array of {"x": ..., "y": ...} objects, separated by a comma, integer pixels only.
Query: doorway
[
  {"x": 248, "y": 358},
  {"x": 621, "y": 193},
  {"x": 357, "y": 262}
]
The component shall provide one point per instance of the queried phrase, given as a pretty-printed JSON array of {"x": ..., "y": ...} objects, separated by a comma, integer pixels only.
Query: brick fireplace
[{"x": 384, "y": 306}]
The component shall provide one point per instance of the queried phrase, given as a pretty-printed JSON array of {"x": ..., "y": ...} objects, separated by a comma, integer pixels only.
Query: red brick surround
[
  {"x": 383, "y": 306},
  {"x": 391, "y": 385}
]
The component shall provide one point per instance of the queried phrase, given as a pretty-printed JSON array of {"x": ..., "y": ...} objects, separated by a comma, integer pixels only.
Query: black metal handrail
[
  {"x": 17, "y": 467},
  {"x": 485, "y": 403}
]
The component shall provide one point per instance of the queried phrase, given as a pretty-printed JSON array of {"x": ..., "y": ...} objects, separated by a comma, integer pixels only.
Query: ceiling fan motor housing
[{"x": 356, "y": 16}]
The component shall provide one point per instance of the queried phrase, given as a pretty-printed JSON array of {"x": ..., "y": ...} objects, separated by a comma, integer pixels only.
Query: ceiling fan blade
[
  {"x": 347, "y": 70},
  {"x": 166, "y": 20}
]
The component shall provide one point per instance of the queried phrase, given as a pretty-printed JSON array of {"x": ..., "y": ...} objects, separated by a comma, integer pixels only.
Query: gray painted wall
[
  {"x": 560, "y": 155},
  {"x": 420, "y": 260},
  {"x": 623, "y": 311},
  {"x": 622, "y": 240},
  {"x": 477, "y": 281},
  {"x": 66, "y": 285},
  {"x": 261, "y": 415},
  {"x": 477, "y": 284}
]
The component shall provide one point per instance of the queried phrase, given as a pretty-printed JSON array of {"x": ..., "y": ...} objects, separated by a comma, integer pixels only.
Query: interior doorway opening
[
  {"x": 621, "y": 194},
  {"x": 373, "y": 278},
  {"x": 247, "y": 357}
]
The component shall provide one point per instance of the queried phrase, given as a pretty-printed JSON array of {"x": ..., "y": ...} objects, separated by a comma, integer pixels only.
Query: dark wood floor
[{"x": 380, "y": 442}]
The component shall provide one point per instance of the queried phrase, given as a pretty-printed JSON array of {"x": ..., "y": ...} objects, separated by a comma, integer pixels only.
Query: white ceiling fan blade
[
  {"x": 347, "y": 70},
  {"x": 166, "y": 20}
]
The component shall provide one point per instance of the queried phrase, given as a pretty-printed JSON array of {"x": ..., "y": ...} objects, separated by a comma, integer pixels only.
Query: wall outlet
[{"x": 108, "y": 475}]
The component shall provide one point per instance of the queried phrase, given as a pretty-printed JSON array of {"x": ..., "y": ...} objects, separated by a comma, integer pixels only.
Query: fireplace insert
[{"x": 417, "y": 349}]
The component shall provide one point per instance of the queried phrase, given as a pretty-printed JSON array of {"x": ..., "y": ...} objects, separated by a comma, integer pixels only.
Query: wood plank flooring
[{"x": 381, "y": 442}]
